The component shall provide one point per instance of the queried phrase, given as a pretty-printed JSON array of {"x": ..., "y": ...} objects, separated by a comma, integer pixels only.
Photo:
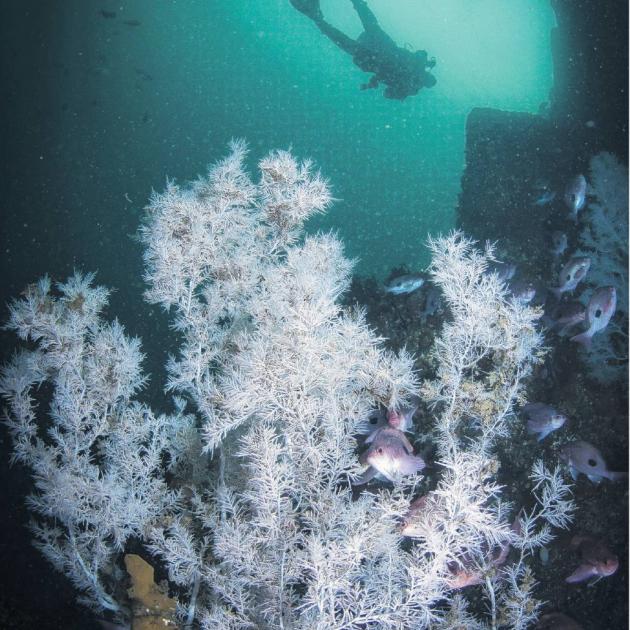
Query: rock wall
[
  {"x": 590, "y": 56},
  {"x": 509, "y": 153},
  {"x": 512, "y": 158}
]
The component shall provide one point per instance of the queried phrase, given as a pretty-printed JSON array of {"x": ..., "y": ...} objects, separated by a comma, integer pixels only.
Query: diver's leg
[
  {"x": 344, "y": 42},
  {"x": 368, "y": 19},
  {"x": 310, "y": 8}
]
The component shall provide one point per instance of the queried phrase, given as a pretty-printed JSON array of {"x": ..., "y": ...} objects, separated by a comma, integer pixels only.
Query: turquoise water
[{"x": 133, "y": 103}]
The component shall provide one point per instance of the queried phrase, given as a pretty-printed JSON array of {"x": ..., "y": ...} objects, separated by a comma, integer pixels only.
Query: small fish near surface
[
  {"x": 406, "y": 283},
  {"x": 584, "y": 458},
  {"x": 601, "y": 307},
  {"x": 575, "y": 196},
  {"x": 108, "y": 15},
  {"x": 390, "y": 454},
  {"x": 572, "y": 274},
  {"x": 597, "y": 560},
  {"x": 543, "y": 419}
]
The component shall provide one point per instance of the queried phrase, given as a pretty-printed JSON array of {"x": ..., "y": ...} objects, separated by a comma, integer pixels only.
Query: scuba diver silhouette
[{"x": 402, "y": 71}]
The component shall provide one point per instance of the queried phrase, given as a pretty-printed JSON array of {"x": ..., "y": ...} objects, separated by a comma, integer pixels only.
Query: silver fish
[
  {"x": 405, "y": 284},
  {"x": 465, "y": 571},
  {"x": 583, "y": 457},
  {"x": 543, "y": 419},
  {"x": 544, "y": 193},
  {"x": 522, "y": 290},
  {"x": 566, "y": 316},
  {"x": 601, "y": 307},
  {"x": 545, "y": 197},
  {"x": 572, "y": 273},
  {"x": 376, "y": 419},
  {"x": 597, "y": 560},
  {"x": 402, "y": 418},
  {"x": 575, "y": 195},
  {"x": 390, "y": 454},
  {"x": 409, "y": 525},
  {"x": 559, "y": 243},
  {"x": 504, "y": 270},
  {"x": 432, "y": 303}
]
